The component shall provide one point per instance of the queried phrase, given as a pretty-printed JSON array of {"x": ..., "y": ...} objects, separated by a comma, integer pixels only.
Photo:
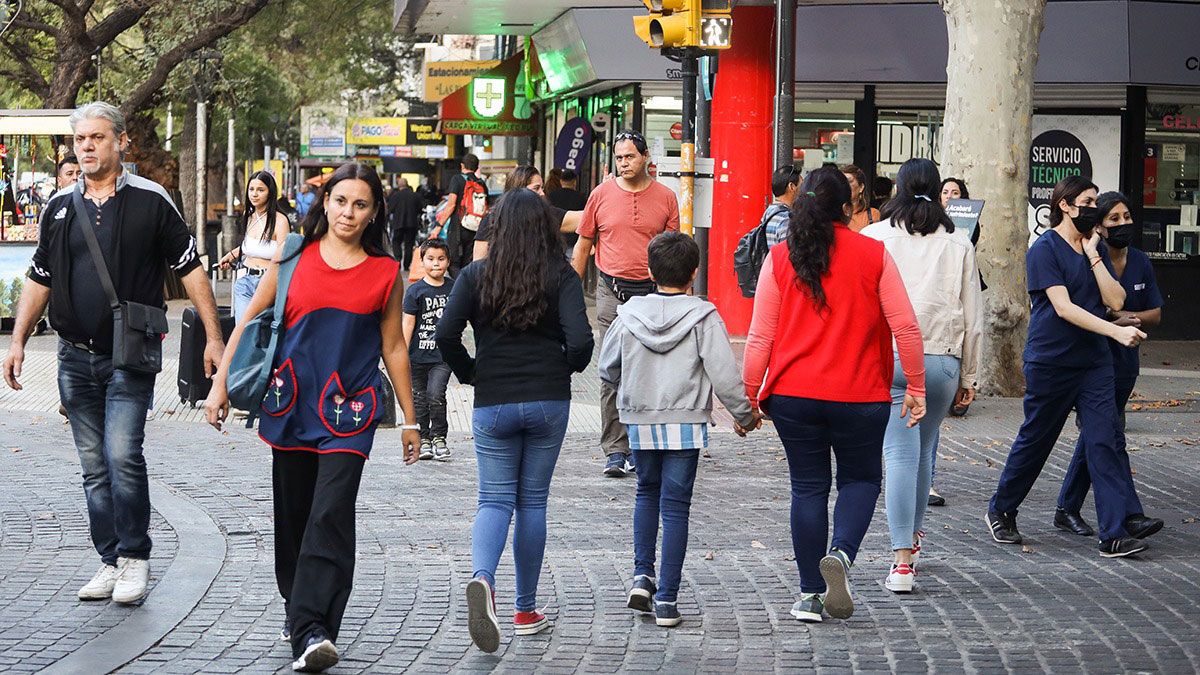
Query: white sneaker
[
  {"x": 900, "y": 579},
  {"x": 133, "y": 576},
  {"x": 101, "y": 585}
]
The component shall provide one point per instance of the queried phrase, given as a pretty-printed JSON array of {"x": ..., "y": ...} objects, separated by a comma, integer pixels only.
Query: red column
[{"x": 742, "y": 118}]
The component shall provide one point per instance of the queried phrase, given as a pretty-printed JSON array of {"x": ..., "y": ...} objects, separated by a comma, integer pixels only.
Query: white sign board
[{"x": 1070, "y": 145}]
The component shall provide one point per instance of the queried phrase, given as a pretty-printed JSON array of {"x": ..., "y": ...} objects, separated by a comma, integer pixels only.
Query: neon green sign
[{"x": 488, "y": 96}]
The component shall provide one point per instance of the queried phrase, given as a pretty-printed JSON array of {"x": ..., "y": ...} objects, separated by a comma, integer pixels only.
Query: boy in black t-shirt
[{"x": 424, "y": 302}]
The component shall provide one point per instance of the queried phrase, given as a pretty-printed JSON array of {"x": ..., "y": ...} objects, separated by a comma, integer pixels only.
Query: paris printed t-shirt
[{"x": 426, "y": 302}]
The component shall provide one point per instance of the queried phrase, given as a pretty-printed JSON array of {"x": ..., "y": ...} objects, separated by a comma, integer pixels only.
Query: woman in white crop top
[{"x": 265, "y": 229}]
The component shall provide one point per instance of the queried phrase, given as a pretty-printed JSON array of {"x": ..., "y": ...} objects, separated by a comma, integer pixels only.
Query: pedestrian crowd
[{"x": 866, "y": 333}]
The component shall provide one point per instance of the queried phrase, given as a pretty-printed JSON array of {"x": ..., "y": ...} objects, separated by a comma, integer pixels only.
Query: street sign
[
  {"x": 715, "y": 32},
  {"x": 677, "y": 131}
]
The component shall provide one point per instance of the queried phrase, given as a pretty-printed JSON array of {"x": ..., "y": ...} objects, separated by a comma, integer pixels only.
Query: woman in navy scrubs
[
  {"x": 1068, "y": 365},
  {"x": 1143, "y": 309}
]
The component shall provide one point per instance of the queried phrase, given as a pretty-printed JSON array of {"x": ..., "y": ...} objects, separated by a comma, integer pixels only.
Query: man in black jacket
[
  {"x": 137, "y": 229},
  {"x": 404, "y": 214}
]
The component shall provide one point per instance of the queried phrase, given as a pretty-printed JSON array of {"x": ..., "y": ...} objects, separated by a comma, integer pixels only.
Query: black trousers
[
  {"x": 403, "y": 242},
  {"x": 315, "y": 497}
]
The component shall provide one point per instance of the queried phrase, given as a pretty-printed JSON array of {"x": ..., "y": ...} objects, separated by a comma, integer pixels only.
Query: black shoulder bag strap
[{"x": 89, "y": 235}]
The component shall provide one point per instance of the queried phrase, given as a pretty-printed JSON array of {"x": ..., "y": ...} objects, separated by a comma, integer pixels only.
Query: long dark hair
[
  {"x": 917, "y": 205},
  {"x": 963, "y": 193},
  {"x": 272, "y": 204},
  {"x": 863, "y": 203},
  {"x": 523, "y": 263},
  {"x": 374, "y": 237},
  {"x": 520, "y": 177},
  {"x": 820, "y": 202}
]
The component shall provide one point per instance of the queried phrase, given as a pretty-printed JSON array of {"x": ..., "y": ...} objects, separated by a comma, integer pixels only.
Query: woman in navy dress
[
  {"x": 1068, "y": 365},
  {"x": 343, "y": 313},
  {"x": 1143, "y": 309}
]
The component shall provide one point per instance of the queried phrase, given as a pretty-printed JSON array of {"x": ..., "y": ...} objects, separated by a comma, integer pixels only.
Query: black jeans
[
  {"x": 315, "y": 496},
  {"x": 429, "y": 382}
]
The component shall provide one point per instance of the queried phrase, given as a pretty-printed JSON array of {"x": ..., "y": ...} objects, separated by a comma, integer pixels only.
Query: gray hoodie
[{"x": 665, "y": 355}]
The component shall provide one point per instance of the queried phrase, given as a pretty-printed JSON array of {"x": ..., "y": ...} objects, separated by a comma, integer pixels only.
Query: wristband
[
  {"x": 410, "y": 427},
  {"x": 1097, "y": 261}
]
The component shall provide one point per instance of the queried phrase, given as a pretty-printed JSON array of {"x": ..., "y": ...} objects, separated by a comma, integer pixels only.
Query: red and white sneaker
[
  {"x": 481, "y": 615},
  {"x": 530, "y": 623},
  {"x": 918, "y": 538},
  {"x": 900, "y": 580}
]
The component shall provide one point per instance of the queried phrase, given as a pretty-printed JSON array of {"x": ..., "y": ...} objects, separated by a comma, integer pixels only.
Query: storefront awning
[
  {"x": 493, "y": 103},
  {"x": 35, "y": 123}
]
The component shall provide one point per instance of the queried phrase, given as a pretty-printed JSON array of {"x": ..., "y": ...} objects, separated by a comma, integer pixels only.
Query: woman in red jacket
[{"x": 839, "y": 299}]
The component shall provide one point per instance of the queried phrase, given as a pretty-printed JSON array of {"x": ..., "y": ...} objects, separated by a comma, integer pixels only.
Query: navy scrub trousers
[{"x": 1051, "y": 392}]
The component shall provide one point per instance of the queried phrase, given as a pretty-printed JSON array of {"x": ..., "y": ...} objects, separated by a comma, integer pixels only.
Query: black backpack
[{"x": 751, "y": 251}]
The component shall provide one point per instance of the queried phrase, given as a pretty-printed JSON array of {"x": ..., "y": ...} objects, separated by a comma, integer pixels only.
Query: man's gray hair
[{"x": 99, "y": 110}]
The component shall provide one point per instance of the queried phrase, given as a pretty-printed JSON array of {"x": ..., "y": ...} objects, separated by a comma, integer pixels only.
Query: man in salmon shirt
[{"x": 621, "y": 217}]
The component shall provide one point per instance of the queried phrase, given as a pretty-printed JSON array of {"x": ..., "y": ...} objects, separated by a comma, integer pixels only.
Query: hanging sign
[{"x": 573, "y": 144}]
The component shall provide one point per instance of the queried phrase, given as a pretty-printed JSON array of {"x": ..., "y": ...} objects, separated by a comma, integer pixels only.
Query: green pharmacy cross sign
[{"x": 488, "y": 96}]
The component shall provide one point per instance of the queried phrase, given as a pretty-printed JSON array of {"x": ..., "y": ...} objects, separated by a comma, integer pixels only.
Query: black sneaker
[
  {"x": 318, "y": 656},
  {"x": 642, "y": 594},
  {"x": 935, "y": 499},
  {"x": 1140, "y": 526},
  {"x": 615, "y": 468},
  {"x": 1073, "y": 523},
  {"x": 1120, "y": 548},
  {"x": 1003, "y": 528},
  {"x": 667, "y": 614},
  {"x": 285, "y": 633}
]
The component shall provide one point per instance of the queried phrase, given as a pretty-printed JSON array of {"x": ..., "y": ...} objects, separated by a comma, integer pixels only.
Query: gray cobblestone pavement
[{"x": 1054, "y": 606}]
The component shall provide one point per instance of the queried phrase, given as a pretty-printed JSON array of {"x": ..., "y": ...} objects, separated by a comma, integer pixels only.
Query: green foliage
[{"x": 10, "y": 295}]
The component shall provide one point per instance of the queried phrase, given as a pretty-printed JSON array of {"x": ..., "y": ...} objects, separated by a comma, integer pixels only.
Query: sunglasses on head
[{"x": 629, "y": 136}]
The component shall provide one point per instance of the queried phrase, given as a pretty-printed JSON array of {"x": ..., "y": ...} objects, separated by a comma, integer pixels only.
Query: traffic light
[{"x": 706, "y": 24}]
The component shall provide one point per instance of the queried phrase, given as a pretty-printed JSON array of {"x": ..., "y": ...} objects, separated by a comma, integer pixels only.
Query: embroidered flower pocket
[
  {"x": 281, "y": 391},
  {"x": 345, "y": 413}
]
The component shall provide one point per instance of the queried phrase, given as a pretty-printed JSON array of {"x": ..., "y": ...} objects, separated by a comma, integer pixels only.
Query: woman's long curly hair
[
  {"x": 820, "y": 202},
  {"x": 524, "y": 261}
]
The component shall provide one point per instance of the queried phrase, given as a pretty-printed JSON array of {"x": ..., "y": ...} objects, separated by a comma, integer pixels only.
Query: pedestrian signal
[{"x": 707, "y": 24}]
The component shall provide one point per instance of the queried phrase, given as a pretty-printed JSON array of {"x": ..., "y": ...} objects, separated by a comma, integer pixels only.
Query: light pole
[{"x": 203, "y": 88}]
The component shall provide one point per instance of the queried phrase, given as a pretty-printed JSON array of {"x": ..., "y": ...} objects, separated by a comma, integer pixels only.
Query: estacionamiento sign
[{"x": 443, "y": 78}]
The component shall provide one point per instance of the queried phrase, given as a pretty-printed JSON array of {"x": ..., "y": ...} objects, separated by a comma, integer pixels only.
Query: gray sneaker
[
  {"x": 426, "y": 449},
  {"x": 809, "y": 608},
  {"x": 441, "y": 452},
  {"x": 835, "y": 569}
]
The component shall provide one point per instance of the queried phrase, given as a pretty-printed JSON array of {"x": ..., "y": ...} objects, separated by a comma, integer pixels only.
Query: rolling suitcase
[{"x": 193, "y": 385}]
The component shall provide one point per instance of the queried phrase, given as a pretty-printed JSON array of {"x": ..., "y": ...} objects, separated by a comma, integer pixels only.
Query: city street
[{"x": 1051, "y": 605}]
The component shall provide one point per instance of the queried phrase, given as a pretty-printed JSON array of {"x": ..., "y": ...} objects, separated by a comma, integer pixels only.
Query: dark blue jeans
[
  {"x": 808, "y": 429},
  {"x": 665, "y": 479},
  {"x": 1078, "y": 481},
  {"x": 1050, "y": 393},
  {"x": 107, "y": 410},
  {"x": 516, "y": 448}
]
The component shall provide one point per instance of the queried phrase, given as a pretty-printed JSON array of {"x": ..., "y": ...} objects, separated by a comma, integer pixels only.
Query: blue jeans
[
  {"x": 808, "y": 429},
  {"x": 516, "y": 447},
  {"x": 908, "y": 453},
  {"x": 665, "y": 479},
  {"x": 1050, "y": 393},
  {"x": 243, "y": 291},
  {"x": 1078, "y": 481},
  {"x": 107, "y": 410}
]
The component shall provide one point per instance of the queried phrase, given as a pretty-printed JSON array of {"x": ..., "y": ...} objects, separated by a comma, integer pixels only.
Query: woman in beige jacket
[{"x": 937, "y": 263}]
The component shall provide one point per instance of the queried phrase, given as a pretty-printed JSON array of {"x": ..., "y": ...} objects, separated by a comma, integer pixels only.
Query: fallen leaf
[
  {"x": 1190, "y": 520},
  {"x": 708, "y": 456},
  {"x": 708, "y": 556},
  {"x": 757, "y": 544},
  {"x": 1132, "y": 471},
  {"x": 990, "y": 463},
  {"x": 15, "y": 449},
  {"x": 1026, "y": 548}
]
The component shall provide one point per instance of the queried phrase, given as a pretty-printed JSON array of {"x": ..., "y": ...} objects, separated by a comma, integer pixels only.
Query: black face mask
[
  {"x": 1119, "y": 236},
  {"x": 1087, "y": 220}
]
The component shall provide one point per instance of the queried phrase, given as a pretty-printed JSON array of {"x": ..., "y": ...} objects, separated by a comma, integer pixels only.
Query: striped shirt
[{"x": 691, "y": 436}]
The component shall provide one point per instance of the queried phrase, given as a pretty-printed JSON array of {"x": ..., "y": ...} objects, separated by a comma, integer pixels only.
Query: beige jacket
[{"x": 942, "y": 280}]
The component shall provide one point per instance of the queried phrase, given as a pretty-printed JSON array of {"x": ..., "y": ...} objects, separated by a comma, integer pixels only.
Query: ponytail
[{"x": 819, "y": 203}]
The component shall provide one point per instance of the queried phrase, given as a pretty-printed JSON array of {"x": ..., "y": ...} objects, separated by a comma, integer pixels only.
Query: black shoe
[
  {"x": 319, "y": 654},
  {"x": 666, "y": 614},
  {"x": 1140, "y": 526},
  {"x": 1120, "y": 548},
  {"x": 285, "y": 633},
  {"x": 642, "y": 594},
  {"x": 959, "y": 410},
  {"x": 1003, "y": 528},
  {"x": 616, "y": 465},
  {"x": 935, "y": 499},
  {"x": 1073, "y": 523}
]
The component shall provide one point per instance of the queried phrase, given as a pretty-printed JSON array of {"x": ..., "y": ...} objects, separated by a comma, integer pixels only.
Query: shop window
[
  {"x": 824, "y": 132},
  {"x": 1171, "y": 191},
  {"x": 904, "y": 134}
]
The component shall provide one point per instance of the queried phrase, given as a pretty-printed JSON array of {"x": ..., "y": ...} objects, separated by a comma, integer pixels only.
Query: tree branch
[
  {"x": 72, "y": 10},
  {"x": 215, "y": 26},
  {"x": 29, "y": 76},
  {"x": 117, "y": 22},
  {"x": 33, "y": 24}
]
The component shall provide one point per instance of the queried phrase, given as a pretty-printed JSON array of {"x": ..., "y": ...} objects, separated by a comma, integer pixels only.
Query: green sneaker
[{"x": 809, "y": 608}]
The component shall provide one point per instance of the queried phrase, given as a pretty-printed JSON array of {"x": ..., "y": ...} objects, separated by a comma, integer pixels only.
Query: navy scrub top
[
  {"x": 1141, "y": 294},
  {"x": 1054, "y": 341}
]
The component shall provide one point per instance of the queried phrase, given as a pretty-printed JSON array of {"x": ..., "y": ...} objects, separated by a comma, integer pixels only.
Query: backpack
[
  {"x": 473, "y": 206},
  {"x": 751, "y": 251}
]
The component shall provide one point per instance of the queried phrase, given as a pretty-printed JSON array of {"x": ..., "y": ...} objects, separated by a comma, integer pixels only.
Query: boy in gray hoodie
[{"x": 666, "y": 354}]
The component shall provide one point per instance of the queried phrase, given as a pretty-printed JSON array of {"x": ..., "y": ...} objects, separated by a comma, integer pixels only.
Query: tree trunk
[
  {"x": 186, "y": 142},
  {"x": 985, "y": 141},
  {"x": 152, "y": 160}
]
